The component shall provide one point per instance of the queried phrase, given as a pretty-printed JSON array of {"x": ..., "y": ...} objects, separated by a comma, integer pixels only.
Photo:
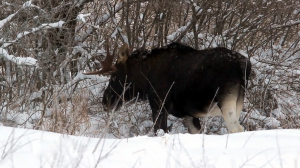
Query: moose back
[{"x": 182, "y": 81}]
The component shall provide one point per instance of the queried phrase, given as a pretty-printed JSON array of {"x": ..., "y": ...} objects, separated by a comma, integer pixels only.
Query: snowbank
[{"x": 31, "y": 148}]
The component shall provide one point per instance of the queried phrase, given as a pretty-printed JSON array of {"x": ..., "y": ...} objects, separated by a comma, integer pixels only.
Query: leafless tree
[{"x": 45, "y": 45}]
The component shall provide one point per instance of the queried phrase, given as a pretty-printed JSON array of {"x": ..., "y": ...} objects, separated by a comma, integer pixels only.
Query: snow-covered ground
[{"x": 23, "y": 148}]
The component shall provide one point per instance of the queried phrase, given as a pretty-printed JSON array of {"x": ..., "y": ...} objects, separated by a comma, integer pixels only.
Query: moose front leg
[
  {"x": 159, "y": 114},
  {"x": 160, "y": 120}
]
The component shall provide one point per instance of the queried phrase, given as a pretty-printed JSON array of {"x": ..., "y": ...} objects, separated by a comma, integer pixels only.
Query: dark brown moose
[{"x": 182, "y": 81}]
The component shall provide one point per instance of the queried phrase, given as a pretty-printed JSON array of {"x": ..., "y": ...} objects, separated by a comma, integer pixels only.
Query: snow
[
  {"x": 58, "y": 24},
  {"x": 11, "y": 16},
  {"x": 32, "y": 148},
  {"x": 81, "y": 17},
  {"x": 27, "y": 4},
  {"x": 98, "y": 23},
  {"x": 6, "y": 20},
  {"x": 18, "y": 60},
  {"x": 44, "y": 26}
]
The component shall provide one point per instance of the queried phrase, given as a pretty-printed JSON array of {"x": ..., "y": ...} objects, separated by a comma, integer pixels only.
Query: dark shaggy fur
[{"x": 184, "y": 80}]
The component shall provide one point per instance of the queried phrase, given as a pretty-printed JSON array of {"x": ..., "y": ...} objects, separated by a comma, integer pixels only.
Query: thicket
[{"x": 46, "y": 45}]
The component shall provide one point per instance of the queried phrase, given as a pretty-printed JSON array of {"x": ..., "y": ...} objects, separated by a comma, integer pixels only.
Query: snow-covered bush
[{"x": 46, "y": 45}]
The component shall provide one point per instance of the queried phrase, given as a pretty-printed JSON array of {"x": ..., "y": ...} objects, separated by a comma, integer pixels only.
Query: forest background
[{"x": 45, "y": 46}]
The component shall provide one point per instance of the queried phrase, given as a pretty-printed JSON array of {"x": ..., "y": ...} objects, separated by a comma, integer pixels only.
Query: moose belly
[{"x": 211, "y": 110}]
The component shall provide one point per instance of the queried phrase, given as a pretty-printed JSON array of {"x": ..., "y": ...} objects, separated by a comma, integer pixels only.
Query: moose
[{"x": 179, "y": 80}]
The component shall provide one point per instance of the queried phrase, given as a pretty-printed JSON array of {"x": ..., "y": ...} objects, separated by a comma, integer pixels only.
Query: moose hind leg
[
  {"x": 193, "y": 124},
  {"x": 230, "y": 114},
  {"x": 240, "y": 102}
]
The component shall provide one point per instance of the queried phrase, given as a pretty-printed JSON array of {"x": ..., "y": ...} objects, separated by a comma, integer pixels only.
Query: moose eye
[{"x": 113, "y": 78}]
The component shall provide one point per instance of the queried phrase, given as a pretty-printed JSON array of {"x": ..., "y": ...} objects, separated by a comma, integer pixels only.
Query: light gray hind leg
[
  {"x": 229, "y": 111},
  {"x": 240, "y": 102}
]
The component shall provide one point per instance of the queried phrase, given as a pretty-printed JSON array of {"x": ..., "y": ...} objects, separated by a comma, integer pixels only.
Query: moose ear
[{"x": 123, "y": 53}]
